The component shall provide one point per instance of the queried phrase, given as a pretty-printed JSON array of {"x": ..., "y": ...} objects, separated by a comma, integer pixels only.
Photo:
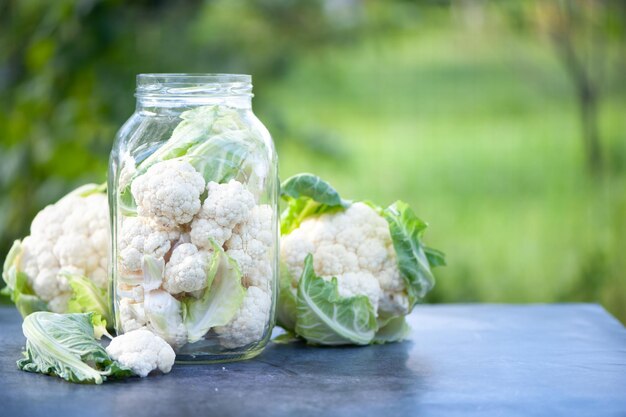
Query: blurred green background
[{"x": 502, "y": 123}]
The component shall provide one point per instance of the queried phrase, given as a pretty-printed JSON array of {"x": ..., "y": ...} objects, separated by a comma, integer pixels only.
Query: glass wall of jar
[{"x": 193, "y": 191}]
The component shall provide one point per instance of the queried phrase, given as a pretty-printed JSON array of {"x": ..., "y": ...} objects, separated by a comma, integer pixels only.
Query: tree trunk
[{"x": 588, "y": 102}]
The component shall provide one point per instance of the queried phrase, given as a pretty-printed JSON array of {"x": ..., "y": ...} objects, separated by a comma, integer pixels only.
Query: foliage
[{"x": 390, "y": 100}]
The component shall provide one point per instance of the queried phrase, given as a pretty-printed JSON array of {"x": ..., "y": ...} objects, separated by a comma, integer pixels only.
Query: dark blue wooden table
[{"x": 478, "y": 360}]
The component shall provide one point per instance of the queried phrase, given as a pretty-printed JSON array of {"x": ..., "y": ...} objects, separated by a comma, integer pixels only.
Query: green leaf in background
[
  {"x": 88, "y": 298},
  {"x": 221, "y": 299},
  {"x": 307, "y": 195},
  {"x": 435, "y": 257},
  {"x": 323, "y": 317},
  {"x": 287, "y": 302},
  {"x": 406, "y": 231},
  {"x": 64, "y": 345}
]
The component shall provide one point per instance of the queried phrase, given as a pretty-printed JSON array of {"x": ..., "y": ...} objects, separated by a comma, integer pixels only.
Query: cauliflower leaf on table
[
  {"x": 324, "y": 317},
  {"x": 64, "y": 345}
]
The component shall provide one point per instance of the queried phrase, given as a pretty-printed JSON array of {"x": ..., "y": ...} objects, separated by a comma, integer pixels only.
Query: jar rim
[
  {"x": 181, "y": 85},
  {"x": 205, "y": 78}
]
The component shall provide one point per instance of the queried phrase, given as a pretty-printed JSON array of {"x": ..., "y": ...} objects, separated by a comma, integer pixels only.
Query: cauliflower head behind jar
[
  {"x": 62, "y": 265},
  {"x": 350, "y": 271},
  {"x": 196, "y": 237}
]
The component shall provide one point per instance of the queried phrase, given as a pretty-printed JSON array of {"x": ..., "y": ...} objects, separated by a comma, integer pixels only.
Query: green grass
[{"x": 480, "y": 135}]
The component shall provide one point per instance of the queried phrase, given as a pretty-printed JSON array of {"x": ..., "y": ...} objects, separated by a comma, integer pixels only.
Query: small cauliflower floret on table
[
  {"x": 141, "y": 236},
  {"x": 169, "y": 193},
  {"x": 249, "y": 323},
  {"x": 250, "y": 246},
  {"x": 142, "y": 351},
  {"x": 186, "y": 269},
  {"x": 225, "y": 206},
  {"x": 70, "y": 237}
]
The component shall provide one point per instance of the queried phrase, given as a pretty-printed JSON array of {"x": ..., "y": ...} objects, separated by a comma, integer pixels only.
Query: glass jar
[{"x": 193, "y": 192}]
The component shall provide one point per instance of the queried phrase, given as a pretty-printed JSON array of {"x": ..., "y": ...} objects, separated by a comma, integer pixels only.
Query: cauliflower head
[
  {"x": 329, "y": 237},
  {"x": 350, "y": 271},
  {"x": 142, "y": 351},
  {"x": 70, "y": 237}
]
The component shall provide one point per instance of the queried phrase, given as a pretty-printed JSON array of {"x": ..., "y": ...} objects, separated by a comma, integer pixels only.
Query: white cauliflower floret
[
  {"x": 132, "y": 292},
  {"x": 169, "y": 192},
  {"x": 46, "y": 284},
  {"x": 59, "y": 303},
  {"x": 250, "y": 246},
  {"x": 68, "y": 237},
  {"x": 186, "y": 270},
  {"x": 164, "y": 317},
  {"x": 359, "y": 283},
  {"x": 352, "y": 245},
  {"x": 203, "y": 230},
  {"x": 248, "y": 325},
  {"x": 140, "y": 236},
  {"x": 394, "y": 303},
  {"x": 225, "y": 206},
  {"x": 132, "y": 315},
  {"x": 334, "y": 260},
  {"x": 229, "y": 204},
  {"x": 293, "y": 249},
  {"x": 142, "y": 351}
]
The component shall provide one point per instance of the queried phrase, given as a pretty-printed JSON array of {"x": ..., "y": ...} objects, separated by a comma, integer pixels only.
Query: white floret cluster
[
  {"x": 179, "y": 220},
  {"x": 68, "y": 237},
  {"x": 356, "y": 247},
  {"x": 142, "y": 351}
]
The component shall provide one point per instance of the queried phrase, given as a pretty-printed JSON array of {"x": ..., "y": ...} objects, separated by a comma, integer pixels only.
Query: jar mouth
[{"x": 193, "y": 85}]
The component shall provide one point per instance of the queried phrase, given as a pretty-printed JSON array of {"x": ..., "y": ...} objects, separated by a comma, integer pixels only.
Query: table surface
[{"x": 532, "y": 360}]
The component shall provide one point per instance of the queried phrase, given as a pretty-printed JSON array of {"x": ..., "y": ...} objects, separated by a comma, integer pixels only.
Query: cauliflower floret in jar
[
  {"x": 186, "y": 270},
  {"x": 163, "y": 315},
  {"x": 132, "y": 314},
  {"x": 169, "y": 192},
  {"x": 225, "y": 206},
  {"x": 250, "y": 247},
  {"x": 140, "y": 236},
  {"x": 249, "y": 323},
  {"x": 229, "y": 204},
  {"x": 142, "y": 352},
  {"x": 205, "y": 230}
]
